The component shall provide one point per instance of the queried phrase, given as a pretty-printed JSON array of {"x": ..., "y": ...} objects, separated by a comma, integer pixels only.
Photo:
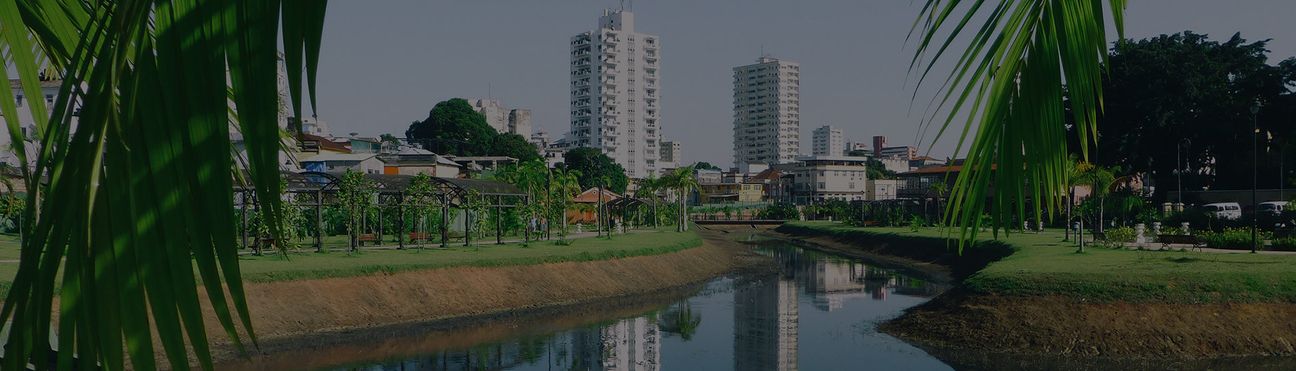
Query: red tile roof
[{"x": 326, "y": 144}]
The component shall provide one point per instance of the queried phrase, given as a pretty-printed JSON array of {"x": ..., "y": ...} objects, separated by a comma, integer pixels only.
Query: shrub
[
  {"x": 780, "y": 211},
  {"x": 1230, "y": 238},
  {"x": 1120, "y": 234},
  {"x": 1284, "y": 244}
]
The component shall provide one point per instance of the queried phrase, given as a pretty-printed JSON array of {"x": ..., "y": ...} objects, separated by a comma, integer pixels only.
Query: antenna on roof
[{"x": 622, "y": 5}]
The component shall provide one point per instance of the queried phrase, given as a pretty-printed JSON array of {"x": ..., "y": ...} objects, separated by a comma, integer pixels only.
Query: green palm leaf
[
  {"x": 1009, "y": 83},
  {"x": 120, "y": 192}
]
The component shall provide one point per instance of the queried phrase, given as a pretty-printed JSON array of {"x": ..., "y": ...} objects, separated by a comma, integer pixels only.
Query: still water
[{"x": 818, "y": 312}]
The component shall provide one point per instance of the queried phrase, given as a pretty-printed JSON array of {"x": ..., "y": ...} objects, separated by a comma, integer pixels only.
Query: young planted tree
[
  {"x": 682, "y": 180},
  {"x": 566, "y": 185},
  {"x": 1099, "y": 180},
  {"x": 356, "y": 194},
  {"x": 423, "y": 204}
]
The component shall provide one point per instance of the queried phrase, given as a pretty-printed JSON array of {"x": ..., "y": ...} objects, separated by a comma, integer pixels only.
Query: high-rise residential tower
[
  {"x": 767, "y": 112},
  {"x": 614, "y": 93},
  {"x": 828, "y": 141}
]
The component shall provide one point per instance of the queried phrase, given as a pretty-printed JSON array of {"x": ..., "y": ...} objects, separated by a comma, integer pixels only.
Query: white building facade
[
  {"x": 767, "y": 112},
  {"x": 615, "y": 93},
  {"x": 670, "y": 155},
  {"x": 828, "y": 141},
  {"x": 503, "y": 119}
]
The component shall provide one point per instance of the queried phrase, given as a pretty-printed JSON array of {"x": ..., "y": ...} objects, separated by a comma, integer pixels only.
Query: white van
[
  {"x": 1224, "y": 210},
  {"x": 1272, "y": 207}
]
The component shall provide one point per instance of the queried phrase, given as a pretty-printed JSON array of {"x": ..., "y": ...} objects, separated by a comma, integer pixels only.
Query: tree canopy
[
  {"x": 1188, "y": 93},
  {"x": 594, "y": 165},
  {"x": 454, "y": 128},
  {"x": 703, "y": 165},
  {"x": 515, "y": 146}
]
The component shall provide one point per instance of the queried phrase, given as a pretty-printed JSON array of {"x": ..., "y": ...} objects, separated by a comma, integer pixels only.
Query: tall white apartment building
[
  {"x": 767, "y": 111},
  {"x": 614, "y": 93},
  {"x": 828, "y": 141}
]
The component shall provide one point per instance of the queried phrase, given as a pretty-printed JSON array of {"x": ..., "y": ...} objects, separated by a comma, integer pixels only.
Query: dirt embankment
[
  {"x": 296, "y": 309},
  {"x": 1067, "y": 327},
  {"x": 983, "y": 323}
]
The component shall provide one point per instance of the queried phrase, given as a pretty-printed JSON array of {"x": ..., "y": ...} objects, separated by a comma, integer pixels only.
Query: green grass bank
[
  {"x": 1032, "y": 294},
  {"x": 1041, "y": 264},
  {"x": 305, "y": 264}
]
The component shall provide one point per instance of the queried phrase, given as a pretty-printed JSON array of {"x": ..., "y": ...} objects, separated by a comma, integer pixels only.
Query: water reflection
[{"x": 767, "y": 328}]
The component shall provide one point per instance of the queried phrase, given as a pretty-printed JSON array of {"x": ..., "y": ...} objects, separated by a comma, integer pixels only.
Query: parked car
[
  {"x": 1224, "y": 210},
  {"x": 1274, "y": 208}
]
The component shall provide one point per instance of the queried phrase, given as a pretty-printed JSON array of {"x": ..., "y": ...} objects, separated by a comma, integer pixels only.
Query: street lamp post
[
  {"x": 1255, "y": 169},
  {"x": 1185, "y": 144}
]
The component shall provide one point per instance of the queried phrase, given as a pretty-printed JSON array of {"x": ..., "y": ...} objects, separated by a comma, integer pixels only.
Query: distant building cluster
[{"x": 503, "y": 119}]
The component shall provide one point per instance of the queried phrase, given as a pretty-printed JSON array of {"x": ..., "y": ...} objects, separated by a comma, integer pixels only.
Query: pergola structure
[
  {"x": 389, "y": 191},
  {"x": 622, "y": 207}
]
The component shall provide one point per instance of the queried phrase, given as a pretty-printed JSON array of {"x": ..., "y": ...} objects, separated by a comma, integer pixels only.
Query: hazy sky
[{"x": 385, "y": 63}]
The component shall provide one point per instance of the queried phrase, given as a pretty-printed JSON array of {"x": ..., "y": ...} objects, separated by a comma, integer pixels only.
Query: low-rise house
[
  {"x": 310, "y": 145},
  {"x": 367, "y": 163},
  {"x": 918, "y": 183},
  {"x": 823, "y": 178},
  {"x": 707, "y": 176},
  {"x": 882, "y": 189},
  {"x": 730, "y": 192},
  {"x": 420, "y": 163},
  {"x": 772, "y": 186},
  {"x": 586, "y": 205},
  {"x": 482, "y": 162}
]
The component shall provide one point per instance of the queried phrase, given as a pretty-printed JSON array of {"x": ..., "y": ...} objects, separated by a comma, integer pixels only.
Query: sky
[{"x": 385, "y": 64}]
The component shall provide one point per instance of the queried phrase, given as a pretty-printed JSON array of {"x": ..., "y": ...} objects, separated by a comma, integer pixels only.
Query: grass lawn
[
  {"x": 307, "y": 264},
  {"x": 1042, "y": 264}
]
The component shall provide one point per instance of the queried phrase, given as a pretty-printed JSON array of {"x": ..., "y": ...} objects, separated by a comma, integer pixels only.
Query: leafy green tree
[
  {"x": 355, "y": 193},
  {"x": 515, "y": 146},
  {"x": 1099, "y": 180},
  {"x": 703, "y": 165},
  {"x": 135, "y": 229},
  {"x": 1008, "y": 82},
  {"x": 874, "y": 169},
  {"x": 1184, "y": 92},
  {"x": 593, "y": 166},
  {"x": 423, "y": 214},
  {"x": 453, "y": 127},
  {"x": 566, "y": 185},
  {"x": 683, "y": 181}
]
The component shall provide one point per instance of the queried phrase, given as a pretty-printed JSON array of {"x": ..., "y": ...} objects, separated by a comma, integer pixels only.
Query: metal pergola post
[
  {"x": 445, "y": 220},
  {"x": 319, "y": 220},
  {"x": 499, "y": 221},
  {"x": 400, "y": 216}
]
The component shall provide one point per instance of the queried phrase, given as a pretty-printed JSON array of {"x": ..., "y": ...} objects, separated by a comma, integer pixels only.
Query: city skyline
[{"x": 859, "y": 84}]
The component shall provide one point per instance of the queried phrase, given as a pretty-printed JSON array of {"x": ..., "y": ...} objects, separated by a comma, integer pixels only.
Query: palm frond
[
  {"x": 125, "y": 211},
  {"x": 1008, "y": 81}
]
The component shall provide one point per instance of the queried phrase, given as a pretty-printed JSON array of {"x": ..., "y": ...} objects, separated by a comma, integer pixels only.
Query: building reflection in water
[
  {"x": 625, "y": 345},
  {"x": 765, "y": 318},
  {"x": 765, "y": 324}
]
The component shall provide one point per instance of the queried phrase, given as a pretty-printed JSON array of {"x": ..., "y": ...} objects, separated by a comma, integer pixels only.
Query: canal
[{"x": 816, "y": 312}]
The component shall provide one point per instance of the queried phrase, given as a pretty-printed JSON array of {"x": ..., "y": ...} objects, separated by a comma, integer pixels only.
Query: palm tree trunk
[{"x": 1102, "y": 204}]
